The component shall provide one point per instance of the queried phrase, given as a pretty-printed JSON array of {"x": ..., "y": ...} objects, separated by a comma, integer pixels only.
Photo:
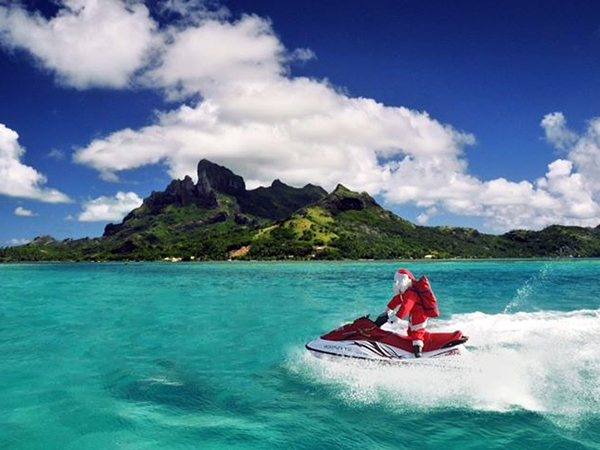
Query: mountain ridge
[{"x": 217, "y": 218}]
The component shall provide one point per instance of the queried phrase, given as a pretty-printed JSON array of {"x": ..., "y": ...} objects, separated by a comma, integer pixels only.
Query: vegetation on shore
[{"x": 218, "y": 219}]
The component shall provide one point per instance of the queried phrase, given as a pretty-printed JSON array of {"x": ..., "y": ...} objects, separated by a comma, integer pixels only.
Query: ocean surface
[{"x": 211, "y": 356}]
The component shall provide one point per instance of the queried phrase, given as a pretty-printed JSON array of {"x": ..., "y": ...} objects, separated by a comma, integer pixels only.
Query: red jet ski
[{"x": 364, "y": 340}]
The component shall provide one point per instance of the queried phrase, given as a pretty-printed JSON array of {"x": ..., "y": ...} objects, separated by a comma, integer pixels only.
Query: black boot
[
  {"x": 383, "y": 318},
  {"x": 418, "y": 351}
]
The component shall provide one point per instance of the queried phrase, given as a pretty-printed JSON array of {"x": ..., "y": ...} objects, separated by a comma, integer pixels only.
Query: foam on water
[
  {"x": 547, "y": 362},
  {"x": 162, "y": 357}
]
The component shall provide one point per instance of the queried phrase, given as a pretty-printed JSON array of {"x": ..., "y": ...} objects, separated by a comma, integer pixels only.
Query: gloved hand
[
  {"x": 394, "y": 319},
  {"x": 381, "y": 319}
]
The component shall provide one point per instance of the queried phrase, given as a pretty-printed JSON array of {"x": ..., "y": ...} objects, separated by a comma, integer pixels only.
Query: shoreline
[{"x": 312, "y": 261}]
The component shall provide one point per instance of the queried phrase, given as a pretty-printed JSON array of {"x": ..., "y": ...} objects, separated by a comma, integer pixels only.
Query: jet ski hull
[
  {"x": 362, "y": 339},
  {"x": 374, "y": 350}
]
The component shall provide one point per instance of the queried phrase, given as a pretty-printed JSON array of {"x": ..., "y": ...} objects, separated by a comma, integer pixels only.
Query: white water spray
[
  {"x": 548, "y": 362},
  {"x": 525, "y": 292}
]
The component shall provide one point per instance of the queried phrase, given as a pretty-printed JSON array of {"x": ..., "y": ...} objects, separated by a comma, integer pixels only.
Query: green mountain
[
  {"x": 347, "y": 224},
  {"x": 217, "y": 218}
]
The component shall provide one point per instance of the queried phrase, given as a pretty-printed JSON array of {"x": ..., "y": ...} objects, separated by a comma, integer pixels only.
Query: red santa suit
[{"x": 417, "y": 320}]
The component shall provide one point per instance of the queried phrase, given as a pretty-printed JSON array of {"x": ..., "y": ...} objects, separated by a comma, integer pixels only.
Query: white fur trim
[{"x": 417, "y": 326}]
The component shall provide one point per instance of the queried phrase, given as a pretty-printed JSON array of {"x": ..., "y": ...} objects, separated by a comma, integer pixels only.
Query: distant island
[{"x": 217, "y": 218}]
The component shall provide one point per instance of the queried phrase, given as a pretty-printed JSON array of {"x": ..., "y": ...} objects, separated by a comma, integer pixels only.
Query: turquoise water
[{"x": 211, "y": 356}]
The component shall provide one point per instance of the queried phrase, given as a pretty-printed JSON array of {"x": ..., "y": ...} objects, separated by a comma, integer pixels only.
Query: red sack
[{"x": 426, "y": 297}]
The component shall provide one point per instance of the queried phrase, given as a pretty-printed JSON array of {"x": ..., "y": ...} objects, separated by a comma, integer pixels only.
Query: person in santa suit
[{"x": 408, "y": 301}]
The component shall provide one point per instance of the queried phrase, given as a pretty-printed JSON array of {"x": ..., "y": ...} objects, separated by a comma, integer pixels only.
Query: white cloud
[
  {"x": 257, "y": 119},
  {"x": 557, "y": 133},
  {"x": 88, "y": 43},
  {"x": 18, "y": 179},
  {"x": 264, "y": 124},
  {"x": 107, "y": 209},
  {"x": 331, "y": 138},
  {"x": 22, "y": 212},
  {"x": 192, "y": 11},
  {"x": 17, "y": 241},
  {"x": 424, "y": 217},
  {"x": 583, "y": 150},
  {"x": 561, "y": 196},
  {"x": 215, "y": 55},
  {"x": 302, "y": 55},
  {"x": 56, "y": 154}
]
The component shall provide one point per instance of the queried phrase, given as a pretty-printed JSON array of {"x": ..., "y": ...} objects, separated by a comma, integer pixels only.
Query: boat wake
[{"x": 547, "y": 362}]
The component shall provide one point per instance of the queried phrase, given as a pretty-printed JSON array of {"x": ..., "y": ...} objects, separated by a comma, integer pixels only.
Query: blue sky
[{"x": 470, "y": 113}]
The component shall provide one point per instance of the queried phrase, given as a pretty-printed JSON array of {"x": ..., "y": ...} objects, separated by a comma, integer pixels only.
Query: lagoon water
[{"x": 211, "y": 356}]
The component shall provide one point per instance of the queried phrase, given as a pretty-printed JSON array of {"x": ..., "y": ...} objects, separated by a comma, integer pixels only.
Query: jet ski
[{"x": 363, "y": 339}]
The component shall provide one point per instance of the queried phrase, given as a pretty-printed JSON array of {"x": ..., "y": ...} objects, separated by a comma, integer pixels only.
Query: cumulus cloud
[
  {"x": 18, "y": 179},
  {"x": 261, "y": 122},
  {"x": 264, "y": 124},
  {"x": 17, "y": 241},
  {"x": 22, "y": 212},
  {"x": 88, "y": 43},
  {"x": 330, "y": 139},
  {"x": 557, "y": 132},
  {"x": 241, "y": 107},
  {"x": 424, "y": 217},
  {"x": 113, "y": 209},
  {"x": 561, "y": 196},
  {"x": 216, "y": 55},
  {"x": 583, "y": 150}
]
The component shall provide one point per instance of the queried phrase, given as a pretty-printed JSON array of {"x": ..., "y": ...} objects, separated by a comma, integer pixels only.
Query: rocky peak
[
  {"x": 43, "y": 240},
  {"x": 275, "y": 202},
  {"x": 183, "y": 190},
  {"x": 211, "y": 176},
  {"x": 278, "y": 200},
  {"x": 343, "y": 199},
  {"x": 340, "y": 189},
  {"x": 314, "y": 186},
  {"x": 181, "y": 193}
]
